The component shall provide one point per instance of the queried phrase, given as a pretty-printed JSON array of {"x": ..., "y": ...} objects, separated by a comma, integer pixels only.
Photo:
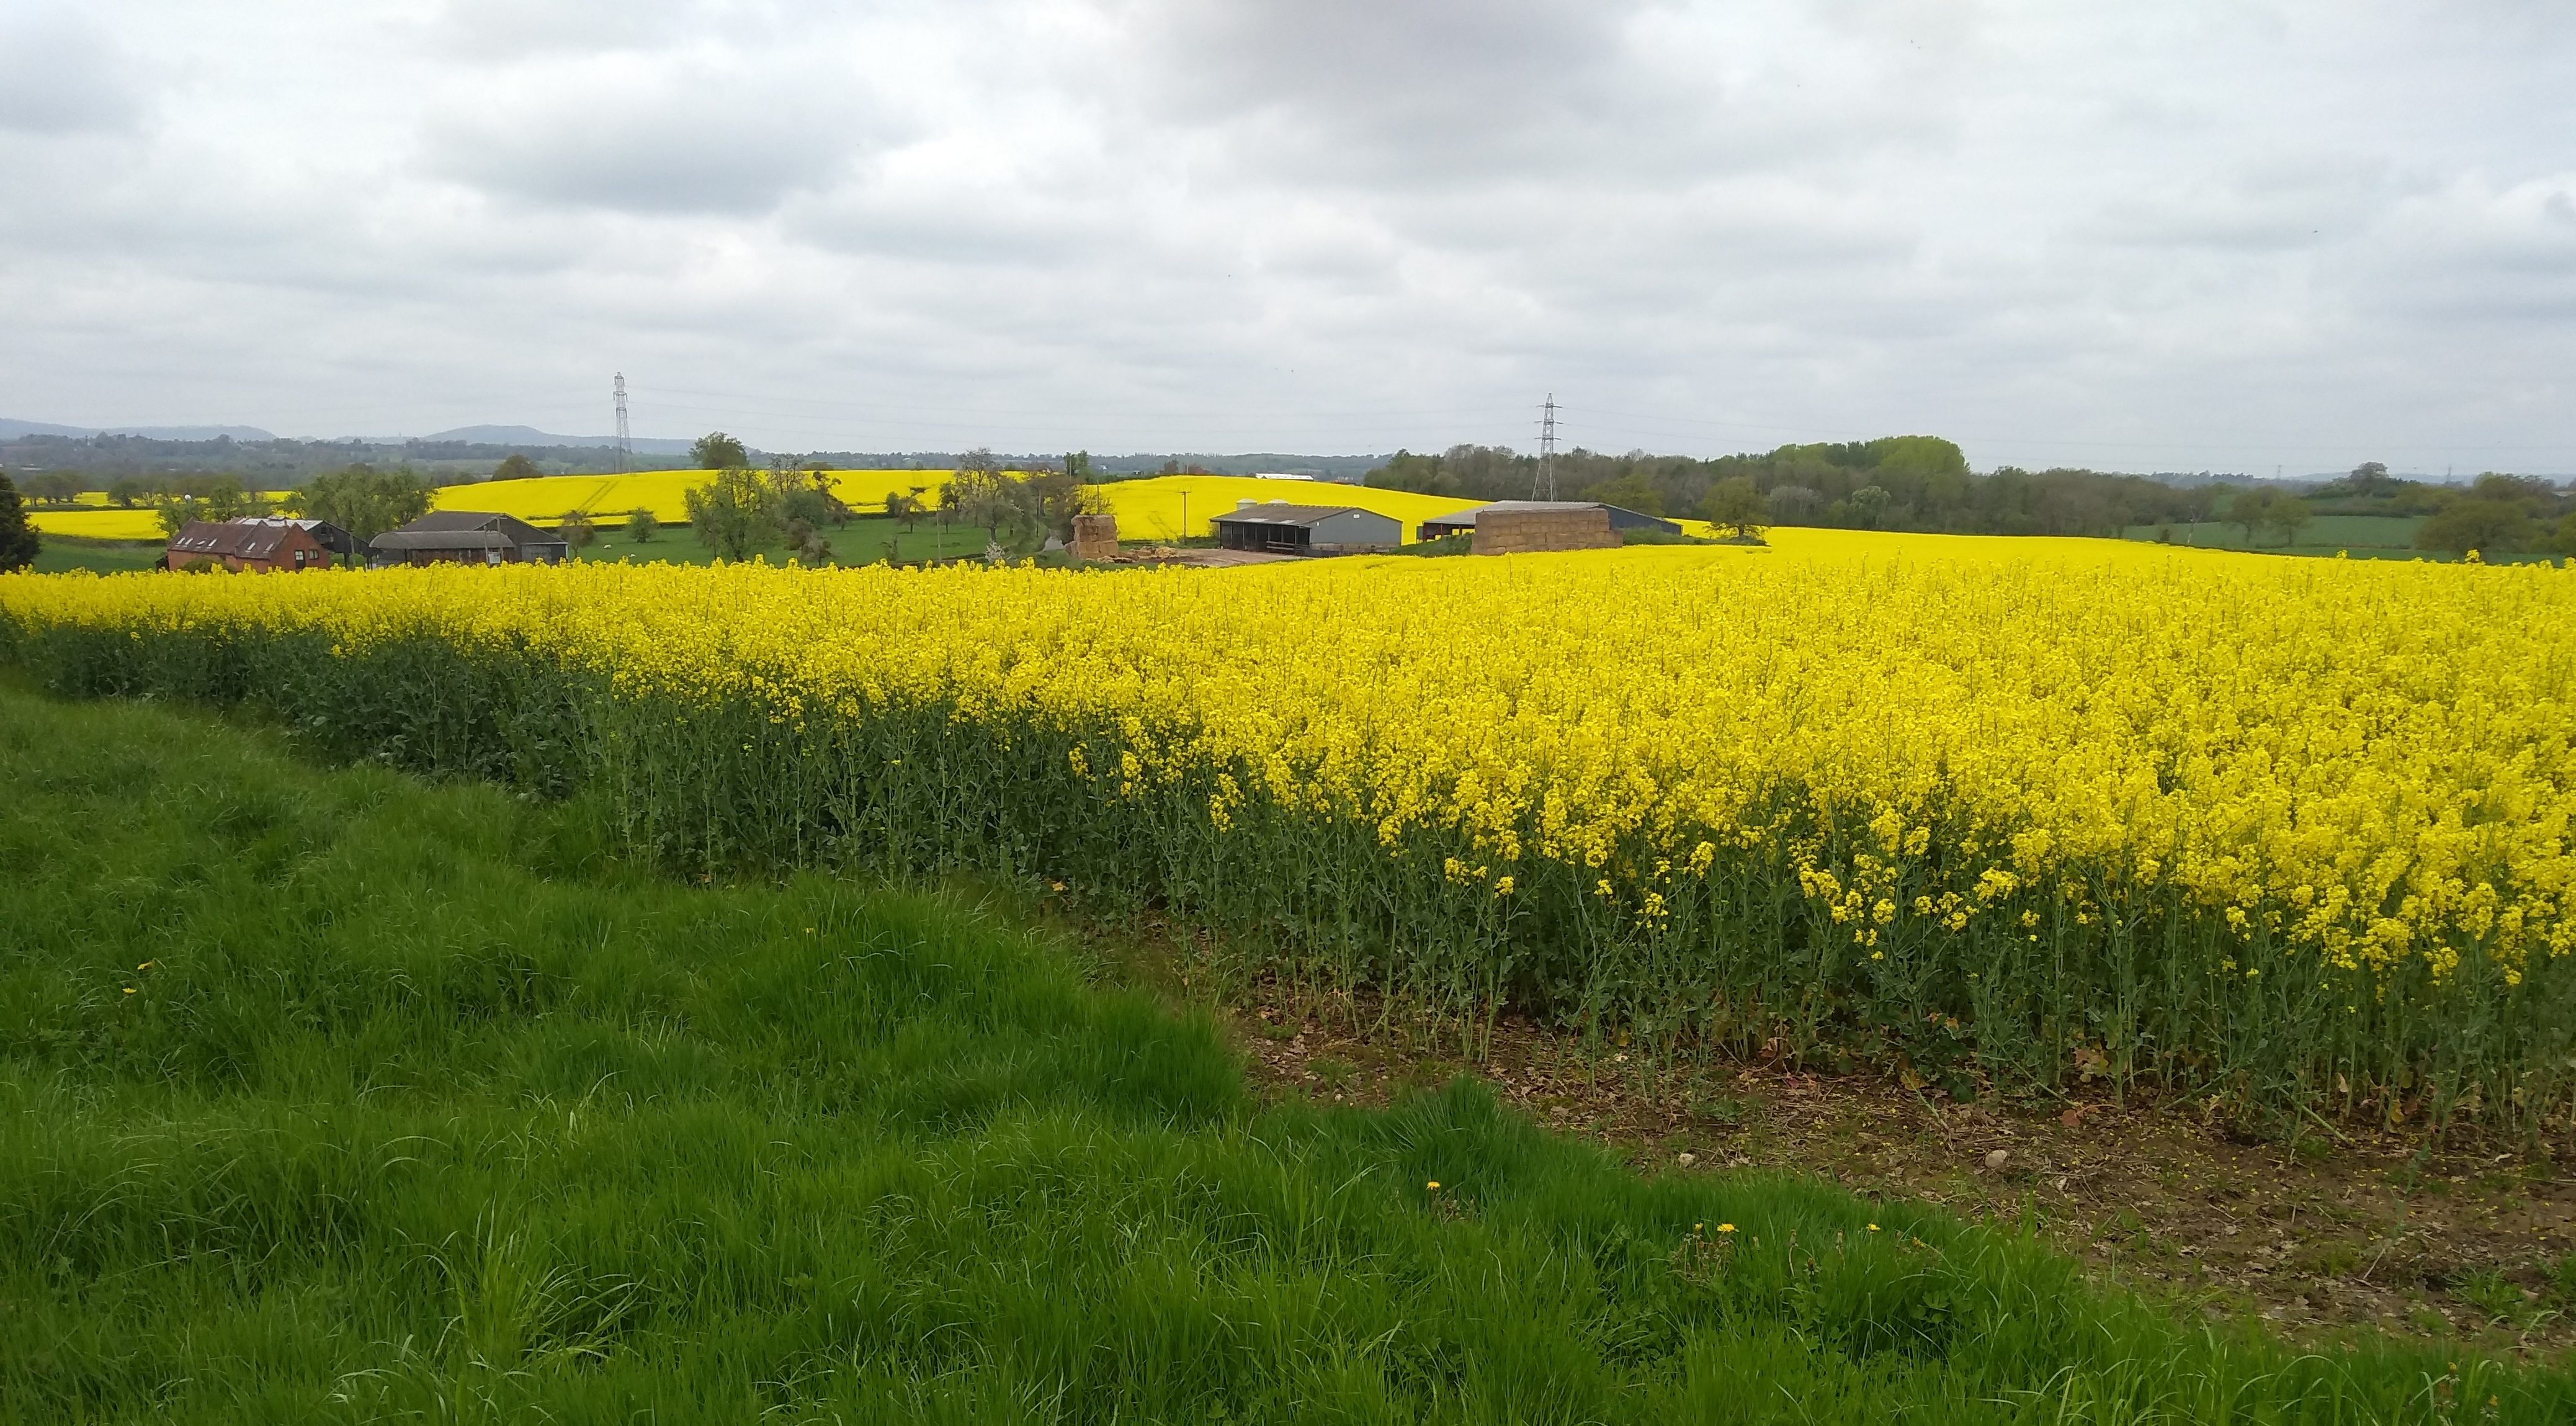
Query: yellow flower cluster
[{"x": 2367, "y": 761}]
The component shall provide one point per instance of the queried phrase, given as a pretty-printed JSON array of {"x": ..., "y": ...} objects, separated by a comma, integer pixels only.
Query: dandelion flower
[
  {"x": 1726, "y": 1227},
  {"x": 1433, "y": 1185}
]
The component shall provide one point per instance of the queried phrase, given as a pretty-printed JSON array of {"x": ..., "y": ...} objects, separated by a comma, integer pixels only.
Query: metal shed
[
  {"x": 1463, "y": 522},
  {"x": 469, "y": 537},
  {"x": 1278, "y": 527}
]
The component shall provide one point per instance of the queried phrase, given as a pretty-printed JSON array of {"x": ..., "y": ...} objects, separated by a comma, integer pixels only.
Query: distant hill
[
  {"x": 12, "y": 430},
  {"x": 531, "y": 436}
]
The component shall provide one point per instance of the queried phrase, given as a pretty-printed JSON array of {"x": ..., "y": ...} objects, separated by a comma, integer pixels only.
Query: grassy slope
[{"x": 331, "y": 1095}]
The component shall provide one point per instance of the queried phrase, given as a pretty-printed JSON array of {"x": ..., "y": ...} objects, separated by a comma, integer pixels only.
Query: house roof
[
  {"x": 233, "y": 539},
  {"x": 328, "y": 535},
  {"x": 1266, "y": 514}
]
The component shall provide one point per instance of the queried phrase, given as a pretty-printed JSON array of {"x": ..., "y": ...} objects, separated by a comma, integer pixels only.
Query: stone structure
[{"x": 1513, "y": 532}]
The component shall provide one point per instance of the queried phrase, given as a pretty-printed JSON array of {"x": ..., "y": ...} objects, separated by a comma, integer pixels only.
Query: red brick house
[{"x": 248, "y": 544}]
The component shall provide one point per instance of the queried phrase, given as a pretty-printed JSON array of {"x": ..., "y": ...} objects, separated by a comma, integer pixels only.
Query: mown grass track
[{"x": 332, "y": 1096}]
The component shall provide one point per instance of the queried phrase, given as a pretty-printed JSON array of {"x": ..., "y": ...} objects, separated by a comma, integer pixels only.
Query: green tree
[
  {"x": 577, "y": 530},
  {"x": 515, "y": 466},
  {"x": 19, "y": 541},
  {"x": 56, "y": 487},
  {"x": 214, "y": 498},
  {"x": 2286, "y": 516},
  {"x": 980, "y": 493},
  {"x": 641, "y": 525},
  {"x": 126, "y": 490},
  {"x": 731, "y": 513},
  {"x": 2564, "y": 542},
  {"x": 1868, "y": 505},
  {"x": 2490, "y": 527},
  {"x": 1736, "y": 507},
  {"x": 1078, "y": 465},
  {"x": 1794, "y": 504},
  {"x": 717, "y": 451},
  {"x": 366, "y": 501},
  {"x": 1633, "y": 490},
  {"x": 804, "y": 496},
  {"x": 2250, "y": 510}
]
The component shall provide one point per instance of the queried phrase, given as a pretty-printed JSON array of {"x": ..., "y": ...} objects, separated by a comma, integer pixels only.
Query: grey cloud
[
  {"x": 60, "y": 74},
  {"x": 652, "y": 135},
  {"x": 484, "y": 30},
  {"x": 2284, "y": 200},
  {"x": 1093, "y": 221}
]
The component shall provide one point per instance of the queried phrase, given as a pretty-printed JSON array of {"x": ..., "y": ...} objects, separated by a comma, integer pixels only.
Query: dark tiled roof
[
  {"x": 231, "y": 539},
  {"x": 465, "y": 530},
  {"x": 1289, "y": 514}
]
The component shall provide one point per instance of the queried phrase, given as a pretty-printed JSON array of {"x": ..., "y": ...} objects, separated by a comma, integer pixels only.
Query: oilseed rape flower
[{"x": 1999, "y": 806}]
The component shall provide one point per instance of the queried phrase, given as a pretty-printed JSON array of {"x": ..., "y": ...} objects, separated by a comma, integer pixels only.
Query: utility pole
[
  {"x": 625, "y": 449},
  {"x": 1545, "y": 488}
]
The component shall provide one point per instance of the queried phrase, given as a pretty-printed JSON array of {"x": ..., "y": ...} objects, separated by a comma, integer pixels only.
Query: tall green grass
[{"x": 331, "y": 1096}]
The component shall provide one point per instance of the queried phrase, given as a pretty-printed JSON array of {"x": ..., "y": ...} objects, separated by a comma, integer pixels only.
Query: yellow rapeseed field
[
  {"x": 107, "y": 524},
  {"x": 546, "y": 499},
  {"x": 1170, "y": 507},
  {"x": 2080, "y": 797},
  {"x": 1150, "y": 509}
]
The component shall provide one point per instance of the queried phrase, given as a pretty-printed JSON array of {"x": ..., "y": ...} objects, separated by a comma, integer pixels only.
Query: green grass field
[
  {"x": 859, "y": 542},
  {"x": 58, "y": 555},
  {"x": 2366, "y": 536},
  {"x": 340, "y": 1096}
]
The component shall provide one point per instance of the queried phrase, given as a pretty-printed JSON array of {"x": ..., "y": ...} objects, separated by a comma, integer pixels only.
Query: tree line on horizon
[
  {"x": 1919, "y": 484},
  {"x": 1923, "y": 485}
]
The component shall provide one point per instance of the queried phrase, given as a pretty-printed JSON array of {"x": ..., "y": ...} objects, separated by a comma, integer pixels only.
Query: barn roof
[
  {"x": 465, "y": 530},
  {"x": 1291, "y": 514},
  {"x": 1620, "y": 516}
]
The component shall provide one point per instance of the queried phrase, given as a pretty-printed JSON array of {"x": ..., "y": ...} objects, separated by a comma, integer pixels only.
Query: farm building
[
  {"x": 468, "y": 537},
  {"x": 1463, "y": 522},
  {"x": 329, "y": 536},
  {"x": 247, "y": 544},
  {"x": 1277, "y": 527}
]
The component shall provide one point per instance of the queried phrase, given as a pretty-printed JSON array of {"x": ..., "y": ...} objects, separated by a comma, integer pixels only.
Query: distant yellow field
[
  {"x": 1154, "y": 509},
  {"x": 98, "y": 524},
  {"x": 1146, "y": 509},
  {"x": 608, "y": 498}
]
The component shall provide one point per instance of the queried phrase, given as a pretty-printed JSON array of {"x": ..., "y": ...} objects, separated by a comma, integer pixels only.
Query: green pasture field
[
  {"x": 859, "y": 542},
  {"x": 2366, "y": 536},
  {"x": 60, "y": 555},
  {"x": 2376, "y": 537},
  {"x": 341, "y": 1096}
]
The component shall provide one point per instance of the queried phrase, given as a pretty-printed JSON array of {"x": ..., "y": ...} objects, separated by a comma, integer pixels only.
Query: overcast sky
[{"x": 2182, "y": 235}]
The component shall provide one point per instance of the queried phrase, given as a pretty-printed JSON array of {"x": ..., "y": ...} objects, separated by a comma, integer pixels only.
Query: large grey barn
[
  {"x": 1463, "y": 522},
  {"x": 1277, "y": 527},
  {"x": 468, "y": 537}
]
